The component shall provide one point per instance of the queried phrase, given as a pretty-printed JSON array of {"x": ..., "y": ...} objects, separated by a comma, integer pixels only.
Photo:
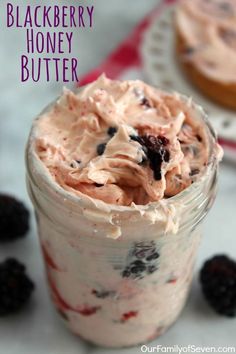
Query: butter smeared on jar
[{"x": 122, "y": 142}]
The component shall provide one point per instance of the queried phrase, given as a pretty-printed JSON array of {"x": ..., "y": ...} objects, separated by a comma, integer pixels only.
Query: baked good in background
[{"x": 206, "y": 47}]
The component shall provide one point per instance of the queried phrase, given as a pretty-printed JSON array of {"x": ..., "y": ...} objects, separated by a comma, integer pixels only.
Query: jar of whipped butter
[{"x": 120, "y": 185}]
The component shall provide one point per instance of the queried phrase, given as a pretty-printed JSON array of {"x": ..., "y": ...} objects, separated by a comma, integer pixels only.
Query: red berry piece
[
  {"x": 218, "y": 280},
  {"x": 127, "y": 315}
]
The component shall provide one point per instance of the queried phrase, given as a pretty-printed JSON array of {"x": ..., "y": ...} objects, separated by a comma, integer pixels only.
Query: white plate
[{"x": 161, "y": 69}]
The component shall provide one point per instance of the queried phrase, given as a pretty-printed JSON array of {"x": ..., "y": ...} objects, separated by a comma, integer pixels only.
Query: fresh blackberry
[
  {"x": 101, "y": 148},
  {"x": 14, "y": 218},
  {"x": 157, "y": 153},
  {"x": 15, "y": 286},
  {"x": 102, "y": 294},
  {"x": 142, "y": 260},
  {"x": 218, "y": 280}
]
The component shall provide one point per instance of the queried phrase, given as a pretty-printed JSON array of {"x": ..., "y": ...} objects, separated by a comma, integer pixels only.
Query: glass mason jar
[{"x": 118, "y": 275}]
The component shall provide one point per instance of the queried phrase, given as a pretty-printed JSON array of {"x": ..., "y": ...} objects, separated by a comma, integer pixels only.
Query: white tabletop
[{"x": 37, "y": 330}]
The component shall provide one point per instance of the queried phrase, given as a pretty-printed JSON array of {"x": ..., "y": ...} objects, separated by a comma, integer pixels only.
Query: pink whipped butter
[
  {"x": 121, "y": 176},
  {"x": 104, "y": 141},
  {"x": 209, "y": 29}
]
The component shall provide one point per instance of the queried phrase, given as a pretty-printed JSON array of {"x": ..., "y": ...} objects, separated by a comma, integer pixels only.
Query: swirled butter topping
[{"x": 122, "y": 142}]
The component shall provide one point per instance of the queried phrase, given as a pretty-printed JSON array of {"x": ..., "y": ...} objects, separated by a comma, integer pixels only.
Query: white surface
[{"x": 37, "y": 330}]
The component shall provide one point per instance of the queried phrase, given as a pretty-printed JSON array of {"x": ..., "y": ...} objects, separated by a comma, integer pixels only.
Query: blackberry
[
  {"x": 98, "y": 185},
  {"x": 126, "y": 273},
  {"x": 101, "y": 148},
  {"x": 152, "y": 256},
  {"x": 199, "y": 138},
  {"x": 14, "y": 219},
  {"x": 137, "y": 267},
  {"x": 218, "y": 280},
  {"x": 145, "y": 102},
  {"x": 111, "y": 131},
  {"x": 142, "y": 260},
  {"x": 156, "y": 150},
  {"x": 15, "y": 286}
]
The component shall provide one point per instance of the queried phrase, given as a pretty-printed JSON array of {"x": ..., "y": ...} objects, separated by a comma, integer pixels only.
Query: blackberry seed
[
  {"x": 15, "y": 286},
  {"x": 153, "y": 256},
  {"x": 101, "y": 148},
  {"x": 151, "y": 269},
  {"x": 111, "y": 131},
  {"x": 138, "y": 269},
  {"x": 199, "y": 138},
  {"x": 98, "y": 185},
  {"x": 126, "y": 273},
  {"x": 140, "y": 253}
]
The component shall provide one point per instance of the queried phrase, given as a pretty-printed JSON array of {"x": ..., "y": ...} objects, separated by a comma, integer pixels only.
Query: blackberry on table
[
  {"x": 14, "y": 218},
  {"x": 151, "y": 269},
  {"x": 15, "y": 286},
  {"x": 142, "y": 260},
  {"x": 218, "y": 281}
]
